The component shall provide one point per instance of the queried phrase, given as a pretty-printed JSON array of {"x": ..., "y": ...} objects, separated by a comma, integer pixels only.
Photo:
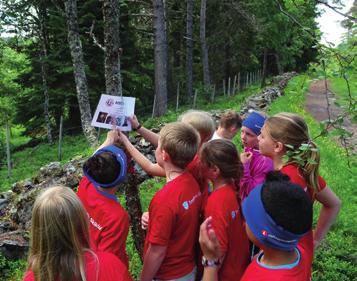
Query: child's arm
[
  {"x": 146, "y": 164},
  {"x": 112, "y": 137},
  {"x": 331, "y": 205},
  {"x": 210, "y": 249},
  {"x": 152, "y": 261},
  {"x": 148, "y": 135}
]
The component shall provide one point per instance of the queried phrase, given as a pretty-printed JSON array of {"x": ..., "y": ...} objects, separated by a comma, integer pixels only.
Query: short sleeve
[
  {"x": 219, "y": 223},
  {"x": 160, "y": 224},
  {"x": 322, "y": 183}
]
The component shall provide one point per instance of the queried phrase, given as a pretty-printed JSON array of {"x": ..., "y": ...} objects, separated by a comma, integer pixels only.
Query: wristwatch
[{"x": 210, "y": 263}]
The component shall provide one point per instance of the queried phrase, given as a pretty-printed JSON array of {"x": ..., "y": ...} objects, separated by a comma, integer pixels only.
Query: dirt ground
[{"x": 316, "y": 104}]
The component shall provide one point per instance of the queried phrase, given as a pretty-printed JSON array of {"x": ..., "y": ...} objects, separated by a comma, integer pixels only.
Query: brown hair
[
  {"x": 201, "y": 121},
  {"x": 230, "y": 118},
  {"x": 180, "y": 141},
  {"x": 59, "y": 236},
  {"x": 292, "y": 131},
  {"x": 103, "y": 168},
  {"x": 224, "y": 155}
]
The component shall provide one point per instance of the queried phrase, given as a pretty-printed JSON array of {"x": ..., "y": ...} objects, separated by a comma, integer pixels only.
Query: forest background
[{"x": 58, "y": 57}]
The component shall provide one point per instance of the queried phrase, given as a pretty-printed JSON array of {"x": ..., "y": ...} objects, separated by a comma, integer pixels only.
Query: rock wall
[{"x": 16, "y": 204}]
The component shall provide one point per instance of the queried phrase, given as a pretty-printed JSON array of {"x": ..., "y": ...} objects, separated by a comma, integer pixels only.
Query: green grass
[
  {"x": 339, "y": 87},
  {"x": 336, "y": 258}
]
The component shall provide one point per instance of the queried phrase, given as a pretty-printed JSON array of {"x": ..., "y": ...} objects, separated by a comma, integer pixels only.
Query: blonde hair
[
  {"x": 200, "y": 121},
  {"x": 59, "y": 237},
  {"x": 292, "y": 131},
  {"x": 180, "y": 141}
]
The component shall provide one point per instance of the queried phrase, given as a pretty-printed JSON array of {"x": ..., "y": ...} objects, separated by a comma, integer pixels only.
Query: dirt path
[{"x": 316, "y": 104}]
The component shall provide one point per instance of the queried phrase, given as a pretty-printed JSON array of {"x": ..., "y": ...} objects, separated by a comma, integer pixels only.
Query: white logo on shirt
[
  {"x": 94, "y": 223},
  {"x": 186, "y": 205}
]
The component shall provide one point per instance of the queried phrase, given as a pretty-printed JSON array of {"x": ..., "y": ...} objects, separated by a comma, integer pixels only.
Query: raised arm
[
  {"x": 148, "y": 135},
  {"x": 149, "y": 167}
]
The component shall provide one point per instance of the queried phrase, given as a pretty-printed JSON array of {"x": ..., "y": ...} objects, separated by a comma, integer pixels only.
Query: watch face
[{"x": 210, "y": 263}]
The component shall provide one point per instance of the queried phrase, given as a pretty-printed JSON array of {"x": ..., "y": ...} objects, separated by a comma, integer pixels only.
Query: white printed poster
[{"x": 114, "y": 110}]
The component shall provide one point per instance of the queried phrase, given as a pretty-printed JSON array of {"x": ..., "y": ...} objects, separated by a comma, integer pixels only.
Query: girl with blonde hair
[
  {"x": 285, "y": 138},
  {"x": 60, "y": 249}
]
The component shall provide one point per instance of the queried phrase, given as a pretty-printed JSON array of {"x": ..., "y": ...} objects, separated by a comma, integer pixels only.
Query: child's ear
[
  {"x": 165, "y": 156},
  {"x": 279, "y": 147}
]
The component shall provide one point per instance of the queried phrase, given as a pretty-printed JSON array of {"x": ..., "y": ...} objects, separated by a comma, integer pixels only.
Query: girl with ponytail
[
  {"x": 285, "y": 138},
  {"x": 221, "y": 163}
]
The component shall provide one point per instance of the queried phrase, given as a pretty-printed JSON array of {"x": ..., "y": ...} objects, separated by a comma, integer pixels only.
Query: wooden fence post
[
  {"x": 213, "y": 93},
  {"x": 229, "y": 87},
  {"x": 60, "y": 140},
  {"x": 234, "y": 84},
  {"x": 153, "y": 107},
  {"x": 194, "y": 98},
  {"x": 177, "y": 95},
  {"x": 238, "y": 82},
  {"x": 224, "y": 87},
  {"x": 8, "y": 156},
  {"x": 247, "y": 80}
]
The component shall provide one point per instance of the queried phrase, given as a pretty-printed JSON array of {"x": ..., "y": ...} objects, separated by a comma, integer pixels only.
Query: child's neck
[
  {"x": 219, "y": 182},
  {"x": 278, "y": 162},
  {"x": 110, "y": 190},
  {"x": 172, "y": 172},
  {"x": 273, "y": 257}
]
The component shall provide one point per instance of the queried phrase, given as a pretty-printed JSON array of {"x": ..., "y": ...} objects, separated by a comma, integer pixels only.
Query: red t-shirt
[
  {"x": 291, "y": 170},
  {"x": 227, "y": 222},
  {"x": 108, "y": 221},
  {"x": 297, "y": 271},
  {"x": 196, "y": 169},
  {"x": 174, "y": 222},
  {"x": 108, "y": 268}
]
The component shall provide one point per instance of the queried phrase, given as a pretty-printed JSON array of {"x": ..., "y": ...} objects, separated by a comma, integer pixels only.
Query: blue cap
[
  {"x": 254, "y": 122},
  {"x": 264, "y": 228},
  {"x": 122, "y": 160}
]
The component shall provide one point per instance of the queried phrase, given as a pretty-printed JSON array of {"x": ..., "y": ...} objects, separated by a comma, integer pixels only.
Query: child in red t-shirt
[
  {"x": 277, "y": 214},
  {"x": 109, "y": 222},
  {"x": 224, "y": 169},
  {"x": 60, "y": 247},
  {"x": 287, "y": 135},
  {"x": 174, "y": 210},
  {"x": 201, "y": 121}
]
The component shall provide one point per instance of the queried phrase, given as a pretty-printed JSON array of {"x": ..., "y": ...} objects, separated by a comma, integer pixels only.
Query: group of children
[{"x": 234, "y": 197}]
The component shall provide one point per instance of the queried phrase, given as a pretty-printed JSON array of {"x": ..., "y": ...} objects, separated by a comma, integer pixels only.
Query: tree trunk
[
  {"x": 278, "y": 64},
  {"x": 133, "y": 205},
  {"x": 75, "y": 47},
  {"x": 265, "y": 61},
  {"x": 189, "y": 48},
  {"x": 44, "y": 69},
  {"x": 112, "y": 51},
  {"x": 204, "y": 47},
  {"x": 160, "y": 47}
]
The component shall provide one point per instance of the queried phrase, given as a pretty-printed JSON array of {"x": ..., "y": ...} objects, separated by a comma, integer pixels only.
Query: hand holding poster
[{"x": 114, "y": 110}]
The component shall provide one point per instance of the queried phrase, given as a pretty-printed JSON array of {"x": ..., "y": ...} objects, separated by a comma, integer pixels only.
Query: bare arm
[
  {"x": 331, "y": 205},
  {"x": 148, "y": 135},
  {"x": 112, "y": 137},
  {"x": 210, "y": 249},
  {"x": 152, "y": 261},
  {"x": 146, "y": 164}
]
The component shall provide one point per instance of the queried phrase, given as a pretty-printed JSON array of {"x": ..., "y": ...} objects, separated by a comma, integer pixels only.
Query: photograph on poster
[{"x": 114, "y": 110}]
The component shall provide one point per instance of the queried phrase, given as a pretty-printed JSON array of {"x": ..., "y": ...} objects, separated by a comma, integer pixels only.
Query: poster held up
[{"x": 114, "y": 110}]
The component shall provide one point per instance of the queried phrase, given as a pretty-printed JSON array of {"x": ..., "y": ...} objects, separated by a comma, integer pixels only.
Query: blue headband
[
  {"x": 265, "y": 230},
  {"x": 255, "y": 122},
  {"x": 120, "y": 157}
]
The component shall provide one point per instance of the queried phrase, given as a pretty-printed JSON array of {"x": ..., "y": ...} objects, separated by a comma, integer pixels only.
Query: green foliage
[
  {"x": 12, "y": 270},
  {"x": 335, "y": 259}
]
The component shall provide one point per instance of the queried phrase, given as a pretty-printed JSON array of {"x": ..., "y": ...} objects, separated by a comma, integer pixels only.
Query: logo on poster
[{"x": 109, "y": 102}]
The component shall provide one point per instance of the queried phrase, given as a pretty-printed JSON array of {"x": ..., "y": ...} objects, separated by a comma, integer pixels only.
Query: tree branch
[
  {"x": 92, "y": 35},
  {"x": 335, "y": 9}
]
